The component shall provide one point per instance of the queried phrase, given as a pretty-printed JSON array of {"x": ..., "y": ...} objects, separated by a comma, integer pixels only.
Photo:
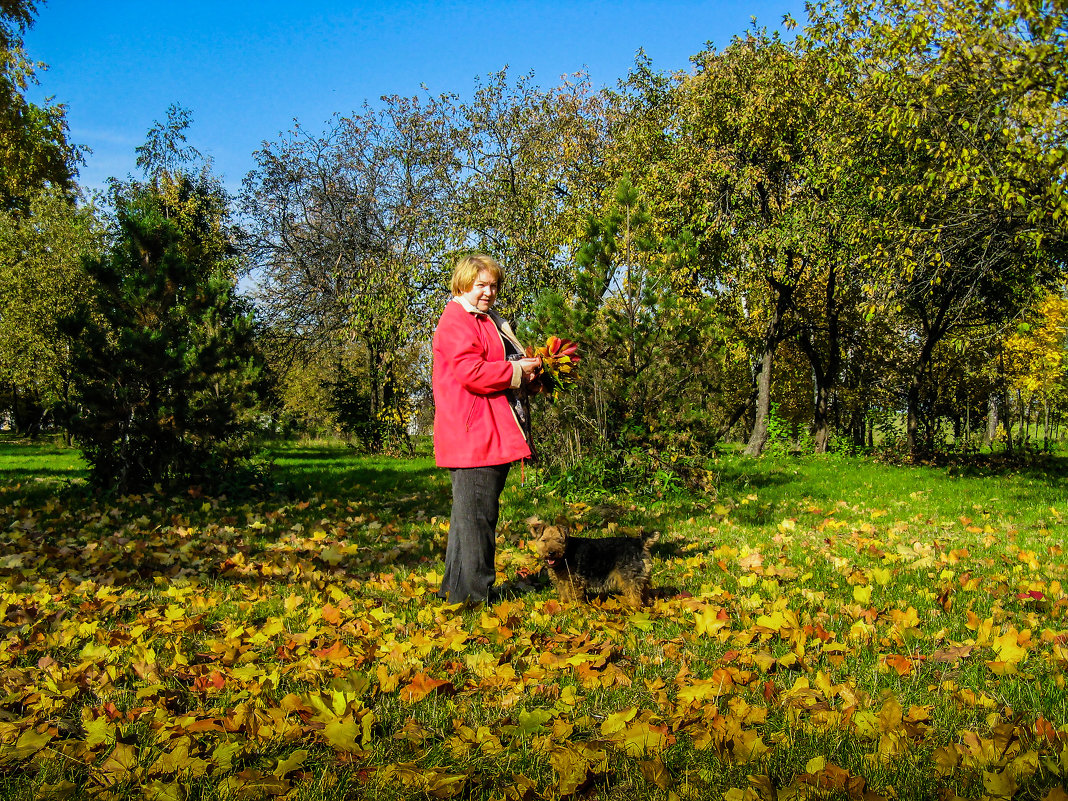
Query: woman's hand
[{"x": 530, "y": 366}]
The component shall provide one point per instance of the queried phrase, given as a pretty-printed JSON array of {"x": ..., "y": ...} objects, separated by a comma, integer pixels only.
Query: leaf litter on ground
[{"x": 178, "y": 647}]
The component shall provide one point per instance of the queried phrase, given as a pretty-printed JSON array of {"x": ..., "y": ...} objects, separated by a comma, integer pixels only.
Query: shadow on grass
[
  {"x": 28, "y": 474},
  {"x": 312, "y": 482}
]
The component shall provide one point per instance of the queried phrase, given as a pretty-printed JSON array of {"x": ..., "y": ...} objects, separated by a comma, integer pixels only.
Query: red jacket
[{"x": 474, "y": 425}]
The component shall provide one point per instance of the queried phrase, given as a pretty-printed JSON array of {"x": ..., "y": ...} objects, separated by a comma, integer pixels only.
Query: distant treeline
[{"x": 849, "y": 235}]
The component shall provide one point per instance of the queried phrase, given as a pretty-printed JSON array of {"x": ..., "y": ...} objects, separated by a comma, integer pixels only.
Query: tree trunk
[
  {"x": 821, "y": 420},
  {"x": 934, "y": 330},
  {"x": 1007, "y": 421},
  {"x": 1045, "y": 423},
  {"x": 759, "y": 436},
  {"x": 1025, "y": 420},
  {"x": 912, "y": 416},
  {"x": 991, "y": 420}
]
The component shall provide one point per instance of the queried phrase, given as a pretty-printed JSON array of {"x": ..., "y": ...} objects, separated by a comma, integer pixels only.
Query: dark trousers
[{"x": 472, "y": 546}]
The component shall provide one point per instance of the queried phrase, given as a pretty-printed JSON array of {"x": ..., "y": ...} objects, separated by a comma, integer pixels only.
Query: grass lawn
[{"x": 821, "y": 628}]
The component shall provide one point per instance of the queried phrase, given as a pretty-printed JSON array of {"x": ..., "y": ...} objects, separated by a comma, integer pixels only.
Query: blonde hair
[{"x": 468, "y": 268}]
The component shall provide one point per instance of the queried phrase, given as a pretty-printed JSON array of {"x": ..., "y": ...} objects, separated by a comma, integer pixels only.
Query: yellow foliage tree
[{"x": 1036, "y": 357}]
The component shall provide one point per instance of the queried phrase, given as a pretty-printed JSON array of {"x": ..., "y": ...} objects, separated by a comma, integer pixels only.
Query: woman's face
[{"x": 483, "y": 292}]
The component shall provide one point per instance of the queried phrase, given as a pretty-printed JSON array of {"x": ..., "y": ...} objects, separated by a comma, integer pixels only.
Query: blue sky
[{"x": 246, "y": 70}]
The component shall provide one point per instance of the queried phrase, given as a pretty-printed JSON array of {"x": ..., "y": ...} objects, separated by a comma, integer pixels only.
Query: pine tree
[{"x": 167, "y": 373}]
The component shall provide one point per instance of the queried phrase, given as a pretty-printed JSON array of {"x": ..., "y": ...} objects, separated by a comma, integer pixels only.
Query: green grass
[
  {"x": 818, "y": 622},
  {"x": 24, "y": 461}
]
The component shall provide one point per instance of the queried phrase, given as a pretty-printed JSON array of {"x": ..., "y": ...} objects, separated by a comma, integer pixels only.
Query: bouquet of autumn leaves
[{"x": 559, "y": 358}]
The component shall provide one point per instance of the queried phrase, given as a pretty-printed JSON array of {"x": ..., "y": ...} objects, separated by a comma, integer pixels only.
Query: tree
[
  {"x": 167, "y": 376},
  {"x": 1037, "y": 358},
  {"x": 751, "y": 179},
  {"x": 531, "y": 170},
  {"x": 960, "y": 137},
  {"x": 350, "y": 235},
  {"x": 646, "y": 341},
  {"x": 41, "y": 281},
  {"x": 34, "y": 151}
]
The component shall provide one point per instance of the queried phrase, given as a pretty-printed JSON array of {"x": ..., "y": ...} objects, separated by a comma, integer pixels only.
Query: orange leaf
[
  {"x": 902, "y": 665},
  {"x": 213, "y": 682},
  {"x": 423, "y": 685}
]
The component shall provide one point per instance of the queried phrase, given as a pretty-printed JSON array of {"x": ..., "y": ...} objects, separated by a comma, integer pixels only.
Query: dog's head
[{"x": 551, "y": 544}]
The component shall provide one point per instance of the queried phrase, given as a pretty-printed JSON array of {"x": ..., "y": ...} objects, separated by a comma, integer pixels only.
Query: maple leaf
[
  {"x": 120, "y": 763},
  {"x": 642, "y": 737},
  {"x": 159, "y": 791},
  {"x": 351, "y": 732},
  {"x": 576, "y": 765},
  {"x": 290, "y": 763},
  {"x": 529, "y": 722},
  {"x": 902, "y": 665},
  {"x": 656, "y": 772},
  {"x": 28, "y": 744},
  {"x": 422, "y": 685}
]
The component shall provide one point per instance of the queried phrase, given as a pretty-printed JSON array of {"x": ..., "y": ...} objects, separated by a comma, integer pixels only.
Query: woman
[{"x": 477, "y": 432}]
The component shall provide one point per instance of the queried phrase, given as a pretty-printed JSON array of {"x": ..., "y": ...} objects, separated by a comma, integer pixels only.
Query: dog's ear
[{"x": 535, "y": 524}]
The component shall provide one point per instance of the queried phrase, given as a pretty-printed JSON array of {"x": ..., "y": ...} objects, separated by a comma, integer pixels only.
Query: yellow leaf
[
  {"x": 158, "y": 791},
  {"x": 348, "y": 734},
  {"x": 290, "y": 763},
  {"x": 862, "y": 594},
  {"x": 572, "y": 768},
  {"x": 748, "y": 746},
  {"x": 445, "y": 785},
  {"x": 29, "y": 743},
  {"x": 120, "y": 762},
  {"x": 530, "y": 722},
  {"x": 945, "y": 759},
  {"x": 331, "y": 555},
  {"x": 890, "y": 715},
  {"x": 641, "y": 621},
  {"x": 999, "y": 785},
  {"x": 223, "y": 755},
  {"x": 656, "y": 772},
  {"x": 816, "y": 764},
  {"x": 617, "y": 721},
  {"x": 1008, "y": 649},
  {"x": 708, "y": 621},
  {"x": 641, "y": 737},
  {"x": 98, "y": 731}
]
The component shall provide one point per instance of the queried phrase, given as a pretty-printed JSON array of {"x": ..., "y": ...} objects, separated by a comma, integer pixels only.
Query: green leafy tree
[
  {"x": 167, "y": 375},
  {"x": 34, "y": 151},
  {"x": 531, "y": 170},
  {"x": 41, "y": 281},
  {"x": 748, "y": 175},
  {"x": 350, "y": 232},
  {"x": 959, "y": 136}
]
